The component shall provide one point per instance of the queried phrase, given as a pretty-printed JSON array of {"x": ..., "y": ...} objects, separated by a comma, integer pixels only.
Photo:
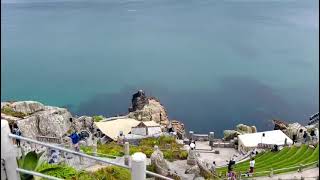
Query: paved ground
[{"x": 310, "y": 174}]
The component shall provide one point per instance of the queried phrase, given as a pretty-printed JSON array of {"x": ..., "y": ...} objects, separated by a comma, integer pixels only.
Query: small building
[
  {"x": 112, "y": 128},
  {"x": 146, "y": 128},
  {"x": 247, "y": 142}
]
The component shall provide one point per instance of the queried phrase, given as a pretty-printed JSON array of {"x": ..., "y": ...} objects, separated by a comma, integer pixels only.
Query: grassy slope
[{"x": 287, "y": 157}]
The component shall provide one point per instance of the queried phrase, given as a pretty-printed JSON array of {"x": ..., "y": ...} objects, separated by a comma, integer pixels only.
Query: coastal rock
[
  {"x": 51, "y": 121},
  {"x": 230, "y": 134},
  {"x": 241, "y": 128},
  {"x": 279, "y": 124},
  {"x": 151, "y": 111},
  {"x": 139, "y": 100},
  {"x": 84, "y": 123},
  {"x": 179, "y": 128},
  {"x": 294, "y": 129},
  {"x": 27, "y": 107}
]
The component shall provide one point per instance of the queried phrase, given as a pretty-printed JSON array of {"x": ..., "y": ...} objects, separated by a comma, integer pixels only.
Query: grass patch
[
  {"x": 98, "y": 118},
  {"x": 69, "y": 173},
  {"x": 168, "y": 145},
  {"x": 9, "y": 111}
]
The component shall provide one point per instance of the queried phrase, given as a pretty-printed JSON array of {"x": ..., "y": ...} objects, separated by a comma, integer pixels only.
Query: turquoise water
[{"x": 212, "y": 63}]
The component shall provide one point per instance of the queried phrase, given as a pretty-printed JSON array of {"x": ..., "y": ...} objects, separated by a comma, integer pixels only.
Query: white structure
[
  {"x": 146, "y": 128},
  {"x": 112, "y": 128},
  {"x": 250, "y": 141}
]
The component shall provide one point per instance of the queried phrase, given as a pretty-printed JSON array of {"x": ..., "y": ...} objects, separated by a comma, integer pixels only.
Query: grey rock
[{"x": 27, "y": 107}]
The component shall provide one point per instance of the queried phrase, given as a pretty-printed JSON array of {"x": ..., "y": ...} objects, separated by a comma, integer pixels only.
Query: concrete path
[{"x": 310, "y": 174}]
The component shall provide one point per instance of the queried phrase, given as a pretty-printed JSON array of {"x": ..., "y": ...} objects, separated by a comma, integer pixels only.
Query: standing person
[
  {"x": 305, "y": 135},
  {"x": 75, "y": 138},
  {"x": 231, "y": 163},
  {"x": 17, "y": 132},
  {"x": 192, "y": 146},
  {"x": 252, "y": 162},
  {"x": 213, "y": 167}
]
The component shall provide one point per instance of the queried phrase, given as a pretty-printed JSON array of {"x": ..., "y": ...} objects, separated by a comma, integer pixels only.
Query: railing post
[
  {"x": 8, "y": 154},
  {"x": 126, "y": 153},
  {"x": 95, "y": 145},
  {"x": 211, "y": 137},
  {"x": 138, "y": 166},
  {"x": 191, "y": 135}
]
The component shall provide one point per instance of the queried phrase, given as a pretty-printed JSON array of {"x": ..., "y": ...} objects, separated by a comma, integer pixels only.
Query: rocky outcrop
[
  {"x": 52, "y": 122},
  {"x": 27, "y": 107},
  {"x": 179, "y": 128},
  {"x": 240, "y": 129},
  {"x": 147, "y": 109},
  {"x": 279, "y": 124},
  {"x": 230, "y": 134},
  {"x": 139, "y": 100}
]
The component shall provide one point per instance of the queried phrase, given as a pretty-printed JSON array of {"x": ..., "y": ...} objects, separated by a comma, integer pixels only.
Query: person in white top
[
  {"x": 192, "y": 146},
  {"x": 252, "y": 162}
]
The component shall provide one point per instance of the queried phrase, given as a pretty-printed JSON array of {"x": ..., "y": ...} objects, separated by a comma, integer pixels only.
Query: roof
[
  {"x": 113, "y": 127},
  {"x": 148, "y": 124},
  {"x": 271, "y": 137}
]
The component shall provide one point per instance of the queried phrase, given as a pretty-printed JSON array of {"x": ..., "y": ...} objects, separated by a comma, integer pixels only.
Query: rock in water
[
  {"x": 139, "y": 100},
  {"x": 147, "y": 109}
]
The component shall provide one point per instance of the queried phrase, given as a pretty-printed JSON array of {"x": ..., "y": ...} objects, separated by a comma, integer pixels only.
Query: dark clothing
[
  {"x": 251, "y": 170},
  {"x": 75, "y": 138},
  {"x": 231, "y": 163}
]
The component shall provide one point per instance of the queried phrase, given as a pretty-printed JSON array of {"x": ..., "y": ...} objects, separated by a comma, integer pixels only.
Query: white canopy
[
  {"x": 113, "y": 127},
  {"x": 271, "y": 137}
]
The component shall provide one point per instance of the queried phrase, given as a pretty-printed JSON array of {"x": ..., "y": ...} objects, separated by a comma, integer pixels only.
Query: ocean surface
[{"x": 213, "y": 64}]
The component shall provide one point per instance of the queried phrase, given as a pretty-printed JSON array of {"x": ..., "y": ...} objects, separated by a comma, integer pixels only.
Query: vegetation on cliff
[{"x": 171, "y": 149}]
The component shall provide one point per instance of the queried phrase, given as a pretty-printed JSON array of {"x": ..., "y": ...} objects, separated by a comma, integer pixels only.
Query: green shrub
[
  {"x": 183, "y": 155},
  {"x": 9, "y": 111},
  {"x": 112, "y": 173},
  {"x": 57, "y": 170},
  {"x": 97, "y": 118}
]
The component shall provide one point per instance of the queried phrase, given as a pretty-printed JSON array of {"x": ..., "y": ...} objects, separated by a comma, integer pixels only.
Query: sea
[{"x": 212, "y": 63}]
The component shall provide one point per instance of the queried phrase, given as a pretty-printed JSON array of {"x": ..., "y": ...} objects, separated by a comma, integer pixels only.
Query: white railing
[{"x": 138, "y": 160}]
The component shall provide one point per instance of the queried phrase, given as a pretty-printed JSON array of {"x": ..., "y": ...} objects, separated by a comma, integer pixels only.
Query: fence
[{"x": 11, "y": 171}]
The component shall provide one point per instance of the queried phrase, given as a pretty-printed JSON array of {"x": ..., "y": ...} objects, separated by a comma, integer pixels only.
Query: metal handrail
[
  {"x": 82, "y": 154},
  {"x": 37, "y": 174}
]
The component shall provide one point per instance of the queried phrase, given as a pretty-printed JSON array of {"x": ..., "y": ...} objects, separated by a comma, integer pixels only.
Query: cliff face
[{"x": 147, "y": 109}]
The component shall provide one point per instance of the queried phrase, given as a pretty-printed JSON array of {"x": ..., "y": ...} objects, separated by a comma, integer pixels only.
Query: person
[
  {"x": 75, "y": 138},
  {"x": 213, "y": 167},
  {"x": 230, "y": 164},
  {"x": 252, "y": 162},
  {"x": 305, "y": 135},
  {"x": 192, "y": 145},
  {"x": 17, "y": 132}
]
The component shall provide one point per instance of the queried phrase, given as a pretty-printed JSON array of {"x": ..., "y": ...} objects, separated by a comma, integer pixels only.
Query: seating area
[{"x": 286, "y": 160}]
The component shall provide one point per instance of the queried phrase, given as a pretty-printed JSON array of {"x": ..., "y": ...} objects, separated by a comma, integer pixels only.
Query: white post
[
  {"x": 8, "y": 153},
  {"x": 126, "y": 153},
  {"x": 138, "y": 166}
]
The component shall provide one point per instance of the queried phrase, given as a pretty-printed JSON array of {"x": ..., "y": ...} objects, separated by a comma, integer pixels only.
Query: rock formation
[
  {"x": 40, "y": 120},
  {"x": 158, "y": 161},
  {"x": 147, "y": 109},
  {"x": 240, "y": 129}
]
